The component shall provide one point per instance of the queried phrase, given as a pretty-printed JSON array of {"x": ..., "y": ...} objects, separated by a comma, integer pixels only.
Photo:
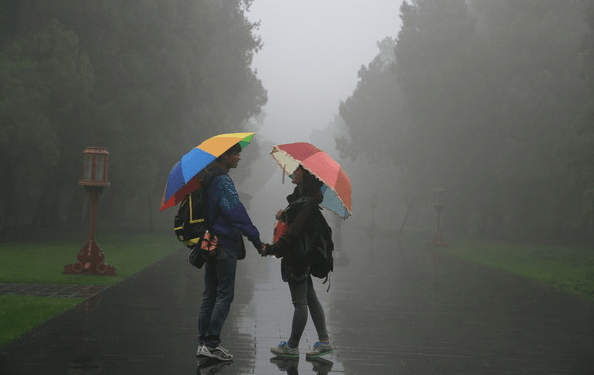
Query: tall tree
[
  {"x": 534, "y": 75},
  {"x": 43, "y": 74},
  {"x": 582, "y": 154},
  {"x": 442, "y": 77},
  {"x": 492, "y": 90},
  {"x": 376, "y": 113},
  {"x": 160, "y": 77}
]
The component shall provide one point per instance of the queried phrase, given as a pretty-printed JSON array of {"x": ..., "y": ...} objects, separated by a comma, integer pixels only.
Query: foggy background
[
  {"x": 311, "y": 54},
  {"x": 488, "y": 99}
]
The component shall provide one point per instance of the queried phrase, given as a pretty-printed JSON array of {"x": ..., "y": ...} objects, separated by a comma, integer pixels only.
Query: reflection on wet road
[{"x": 391, "y": 309}]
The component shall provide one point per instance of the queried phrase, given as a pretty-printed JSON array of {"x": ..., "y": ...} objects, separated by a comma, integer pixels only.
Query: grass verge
[
  {"x": 19, "y": 314},
  {"x": 566, "y": 268},
  {"x": 42, "y": 262}
]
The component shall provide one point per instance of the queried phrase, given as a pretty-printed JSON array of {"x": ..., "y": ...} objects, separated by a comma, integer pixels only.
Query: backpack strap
[
  {"x": 206, "y": 185},
  {"x": 327, "y": 280}
]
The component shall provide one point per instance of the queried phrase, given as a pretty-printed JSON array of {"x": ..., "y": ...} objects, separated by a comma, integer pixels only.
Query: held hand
[{"x": 263, "y": 250}]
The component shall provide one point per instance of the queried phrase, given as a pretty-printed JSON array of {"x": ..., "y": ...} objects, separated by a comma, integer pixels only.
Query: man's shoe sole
[{"x": 211, "y": 355}]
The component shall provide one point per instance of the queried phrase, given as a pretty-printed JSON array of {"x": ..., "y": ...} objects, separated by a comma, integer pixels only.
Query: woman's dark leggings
[{"x": 304, "y": 296}]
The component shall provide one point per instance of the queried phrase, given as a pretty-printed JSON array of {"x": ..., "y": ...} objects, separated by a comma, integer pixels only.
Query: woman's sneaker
[
  {"x": 319, "y": 349},
  {"x": 219, "y": 353},
  {"x": 283, "y": 350}
]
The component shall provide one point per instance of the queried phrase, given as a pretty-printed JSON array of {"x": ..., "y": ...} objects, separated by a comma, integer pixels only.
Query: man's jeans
[{"x": 219, "y": 285}]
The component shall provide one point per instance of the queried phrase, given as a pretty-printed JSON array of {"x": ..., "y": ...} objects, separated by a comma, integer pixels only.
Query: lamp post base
[
  {"x": 90, "y": 262},
  {"x": 438, "y": 240}
]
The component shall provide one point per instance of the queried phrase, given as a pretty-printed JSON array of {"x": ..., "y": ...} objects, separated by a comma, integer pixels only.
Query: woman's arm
[{"x": 296, "y": 229}]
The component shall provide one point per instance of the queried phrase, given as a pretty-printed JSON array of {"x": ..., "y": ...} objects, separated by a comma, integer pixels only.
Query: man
[{"x": 229, "y": 221}]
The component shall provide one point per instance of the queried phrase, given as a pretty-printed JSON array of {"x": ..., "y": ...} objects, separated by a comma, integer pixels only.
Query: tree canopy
[
  {"x": 487, "y": 99},
  {"x": 147, "y": 79}
]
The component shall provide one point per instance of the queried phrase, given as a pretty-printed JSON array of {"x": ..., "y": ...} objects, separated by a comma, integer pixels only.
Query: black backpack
[
  {"x": 321, "y": 262},
  {"x": 191, "y": 221}
]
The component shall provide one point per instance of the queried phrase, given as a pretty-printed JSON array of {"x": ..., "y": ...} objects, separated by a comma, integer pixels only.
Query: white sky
[{"x": 312, "y": 52}]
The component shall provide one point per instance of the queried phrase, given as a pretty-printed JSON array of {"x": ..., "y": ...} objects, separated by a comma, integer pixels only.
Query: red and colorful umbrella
[
  {"x": 337, "y": 185},
  {"x": 183, "y": 178}
]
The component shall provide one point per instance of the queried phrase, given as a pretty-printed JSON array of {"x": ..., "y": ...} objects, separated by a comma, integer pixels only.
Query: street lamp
[
  {"x": 94, "y": 179},
  {"x": 438, "y": 196}
]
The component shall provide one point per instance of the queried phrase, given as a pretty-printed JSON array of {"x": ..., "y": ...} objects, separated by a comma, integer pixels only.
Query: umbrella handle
[{"x": 284, "y": 172}]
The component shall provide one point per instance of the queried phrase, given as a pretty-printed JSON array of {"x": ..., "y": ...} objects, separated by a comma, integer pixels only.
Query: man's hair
[{"x": 235, "y": 149}]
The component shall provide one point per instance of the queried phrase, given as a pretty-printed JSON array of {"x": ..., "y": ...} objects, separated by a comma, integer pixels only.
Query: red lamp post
[
  {"x": 438, "y": 240},
  {"x": 94, "y": 179}
]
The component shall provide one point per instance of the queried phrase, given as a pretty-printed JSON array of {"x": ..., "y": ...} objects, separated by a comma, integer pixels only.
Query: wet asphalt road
[{"x": 391, "y": 309}]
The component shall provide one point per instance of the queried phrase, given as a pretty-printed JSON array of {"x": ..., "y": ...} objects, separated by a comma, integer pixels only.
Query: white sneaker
[
  {"x": 319, "y": 349},
  {"x": 283, "y": 350},
  {"x": 219, "y": 353},
  {"x": 202, "y": 351}
]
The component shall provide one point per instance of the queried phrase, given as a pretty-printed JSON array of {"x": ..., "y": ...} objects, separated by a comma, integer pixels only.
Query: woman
[{"x": 302, "y": 216}]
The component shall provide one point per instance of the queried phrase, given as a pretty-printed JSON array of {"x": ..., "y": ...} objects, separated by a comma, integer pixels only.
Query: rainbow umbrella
[
  {"x": 183, "y": 178},
  {"x": 337, "y": 185}
]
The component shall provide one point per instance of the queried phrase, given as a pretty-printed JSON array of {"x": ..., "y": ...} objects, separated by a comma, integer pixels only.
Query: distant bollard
[{"x": 438, "y": 240}]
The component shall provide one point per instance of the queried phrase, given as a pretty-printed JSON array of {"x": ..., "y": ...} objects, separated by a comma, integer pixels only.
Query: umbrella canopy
[
  {"x": 337, "y": 185},
  {"x": 183, "y": 178}
]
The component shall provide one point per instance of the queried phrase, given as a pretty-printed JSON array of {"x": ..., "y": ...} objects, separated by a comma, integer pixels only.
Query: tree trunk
[
  {"x": 53, "y": 215},
  {"x": 7, "y": 214},
  {"x": 10, "y": 195},
  {"x": 40, "y": 208},
  {"x": 150, "y": 210}
]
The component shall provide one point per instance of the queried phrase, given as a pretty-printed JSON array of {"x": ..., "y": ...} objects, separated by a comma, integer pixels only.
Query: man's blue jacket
[{"x": 228, "y": 214}]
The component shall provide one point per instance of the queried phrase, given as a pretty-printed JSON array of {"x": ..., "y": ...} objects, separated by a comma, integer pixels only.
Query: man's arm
[{"x": 234, "y": 211}]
